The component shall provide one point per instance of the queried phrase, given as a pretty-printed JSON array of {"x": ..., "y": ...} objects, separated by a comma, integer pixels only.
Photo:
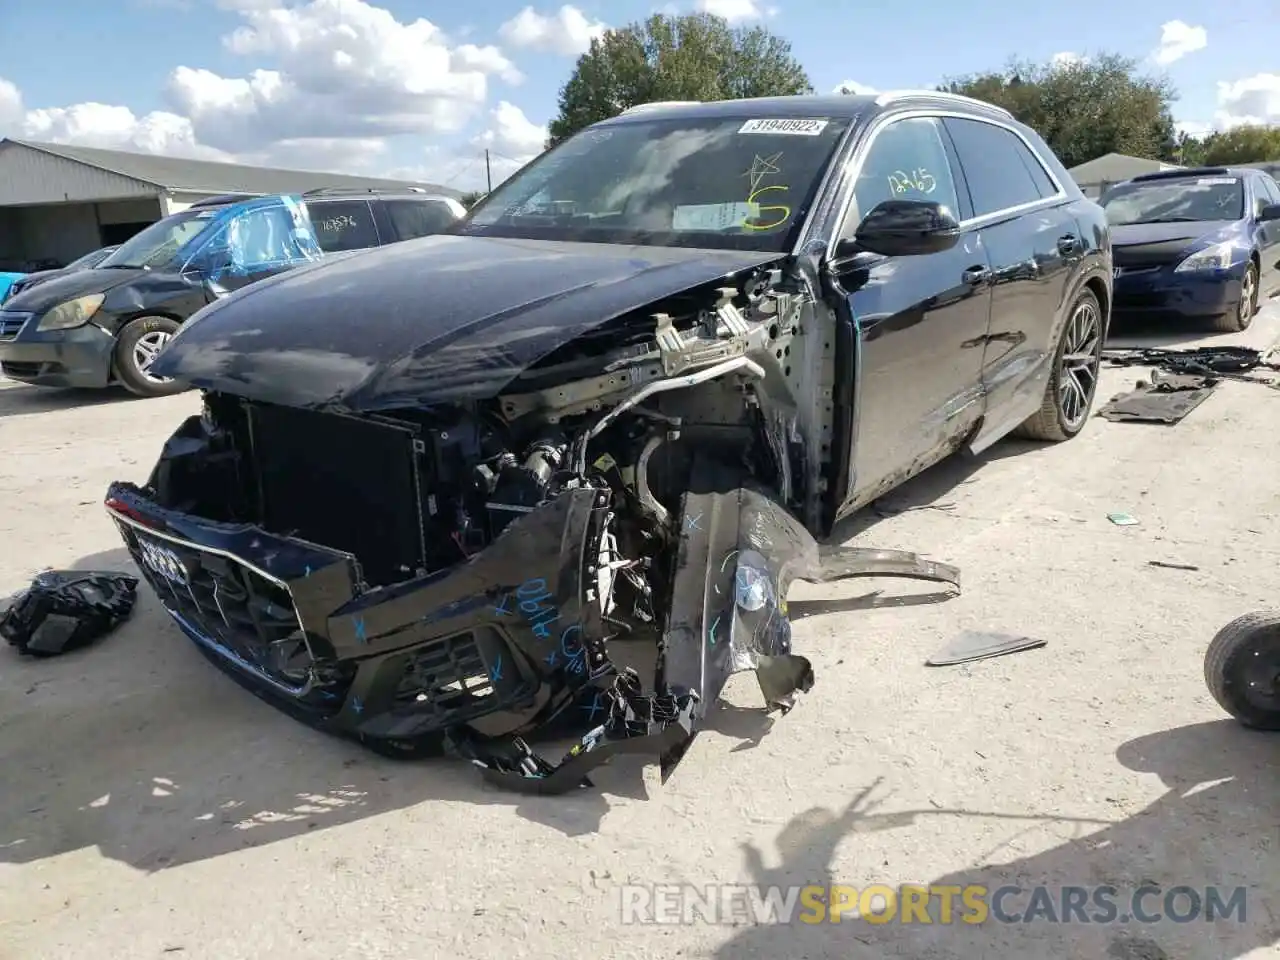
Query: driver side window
[
  {"x": 907, "y": 161},
  {"x": 1270, "y": 191}
]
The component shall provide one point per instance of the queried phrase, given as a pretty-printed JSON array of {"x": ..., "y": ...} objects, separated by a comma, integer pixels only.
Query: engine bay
[{"x": 412, "y": 491}]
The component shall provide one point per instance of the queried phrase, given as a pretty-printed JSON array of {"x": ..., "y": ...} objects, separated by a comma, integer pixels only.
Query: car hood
[
  {"x": 440, "y": 319},
  {"x": 49, "y": 293},
  {"x": 1207, "y": 231}
]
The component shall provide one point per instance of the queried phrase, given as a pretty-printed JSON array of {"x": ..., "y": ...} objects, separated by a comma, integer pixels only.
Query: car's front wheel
[
  {"x": 1073, "y": 382},
  {"x": 1242, "y": 316},
  {"x": 139, "y": 343}
]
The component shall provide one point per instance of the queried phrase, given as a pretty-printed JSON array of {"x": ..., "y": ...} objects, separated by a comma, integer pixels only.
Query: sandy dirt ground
[{"x": 149, "y": 807}]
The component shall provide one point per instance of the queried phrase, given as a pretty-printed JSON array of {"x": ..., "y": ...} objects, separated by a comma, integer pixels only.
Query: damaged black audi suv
[{"x": 563, "y": 461}]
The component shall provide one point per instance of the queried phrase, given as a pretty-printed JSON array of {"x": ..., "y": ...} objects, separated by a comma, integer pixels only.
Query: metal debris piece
[
  {"x": 1166, "y": 399},
  {"x": 64, "y": 610},
  {"x": 1224, "y": 361},
  {"x": 1122, "y": 519},
  {"x": 979, "y": 645}
]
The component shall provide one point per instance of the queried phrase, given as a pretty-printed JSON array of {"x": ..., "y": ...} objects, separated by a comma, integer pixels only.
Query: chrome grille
[
  {"x": 11, "y": 322},
  {"x": 236, "y": 610}
]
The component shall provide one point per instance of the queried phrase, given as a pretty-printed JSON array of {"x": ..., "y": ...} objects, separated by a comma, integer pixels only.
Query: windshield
[
  {"x": 744, "y": 184},
  {"x": 156, "y": 245},
  {"x": 90, "y": 259},
  {"x": 1175, "y": 201}
]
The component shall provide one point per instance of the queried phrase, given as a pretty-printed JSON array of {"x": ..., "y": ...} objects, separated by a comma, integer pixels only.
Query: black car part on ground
[
  {"x": 1229, "y": 362},
  {"x": 63, "y": 610},
  {"x": 1167, "y": 398}
]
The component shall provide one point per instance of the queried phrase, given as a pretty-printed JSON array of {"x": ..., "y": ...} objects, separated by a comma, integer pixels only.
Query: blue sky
[{"x": 344, "y": 84}]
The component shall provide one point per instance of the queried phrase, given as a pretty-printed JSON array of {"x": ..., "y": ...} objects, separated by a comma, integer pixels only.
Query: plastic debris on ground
[
  {"x": 1122, "y": 519},
  {"x": 64, "y": 610},
  {"x": 1167, "y": 398},
  {"x": 1223, "y": 362},
  {"x": 980, "y": 645}
]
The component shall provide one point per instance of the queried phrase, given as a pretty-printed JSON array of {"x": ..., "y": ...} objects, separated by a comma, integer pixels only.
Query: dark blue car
[{"x": 1195, "y": 244}]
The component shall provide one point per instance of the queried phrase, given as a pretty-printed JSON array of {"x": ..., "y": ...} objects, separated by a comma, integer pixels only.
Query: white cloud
[
  {"x": 340, "y": 68},
  {"x": 511, "y": 138},
  {"x": 513, "y": 133},
  {"x": 1192, "y": 128},
  {"x": 1254, "y": 99},
  {"x": 116, "y": 128},
  {"x": 11, "y": 111},
  {"x": 853, "y": 86},
  {"x": 735, "y": 11},
  {"x": 567, "y": 32},
  {"x": 1177, "y": 39},
  {"x": 333, "y": 80},
  {"x": 1066, "y": 59},
  {"x": 327, "y": 154}
]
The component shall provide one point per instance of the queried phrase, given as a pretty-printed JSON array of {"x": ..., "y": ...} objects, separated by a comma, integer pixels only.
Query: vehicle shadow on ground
[
  {"x": 1215, "y": 825},
  {"x": 140, "y": 747},
  {"x": 929, "y": 490},
  {"x": 18, "y": 400},
  {"x": 1126, "y": 333}
]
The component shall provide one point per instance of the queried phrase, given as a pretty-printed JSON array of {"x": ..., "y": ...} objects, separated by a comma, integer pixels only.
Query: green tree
[
  {"x": 1250, "y": 143},
  {"x": 1084, "y": 109},
  {"x": 691, "y": 57}
]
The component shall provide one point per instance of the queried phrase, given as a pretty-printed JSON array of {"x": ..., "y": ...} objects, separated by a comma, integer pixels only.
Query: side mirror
[
  {"x": 904, "y": 228},
  {"x": 1270, "y": 212}
]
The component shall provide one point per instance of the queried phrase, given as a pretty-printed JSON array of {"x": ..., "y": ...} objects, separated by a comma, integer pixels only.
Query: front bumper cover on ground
[{"x": 395, "y": 668}]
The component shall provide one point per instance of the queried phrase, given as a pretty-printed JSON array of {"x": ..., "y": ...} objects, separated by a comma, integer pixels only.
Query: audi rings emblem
[{"x": 163, "y": 561}]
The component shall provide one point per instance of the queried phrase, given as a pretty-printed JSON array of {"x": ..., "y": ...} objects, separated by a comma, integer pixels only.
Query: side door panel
[
  {"x": 1269, "y": 240},
  {"x": 1033, "y": 252},
  {"x": 917, "y": 324}
]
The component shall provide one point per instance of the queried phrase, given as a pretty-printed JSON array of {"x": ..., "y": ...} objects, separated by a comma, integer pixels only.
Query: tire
[
  {"x": 1242, "y": 670},
  {"x": 132, "y": 343},
  {"x": 1051, "y": 423},
  {"x": 1241, "y": 317}
]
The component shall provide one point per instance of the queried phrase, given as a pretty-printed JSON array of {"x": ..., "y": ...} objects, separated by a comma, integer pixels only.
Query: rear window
[{"x": 342, "y": 224}]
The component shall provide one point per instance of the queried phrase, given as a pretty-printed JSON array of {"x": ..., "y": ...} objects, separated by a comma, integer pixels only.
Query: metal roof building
[
  {"x": 1096, "y": 175},
  {"x": 58, "y": 201}
]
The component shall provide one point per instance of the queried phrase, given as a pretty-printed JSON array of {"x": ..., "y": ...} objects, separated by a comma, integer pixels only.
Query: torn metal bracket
[
  {"x": 843, "y": 563},
  {"x": 652, "y": 724}
]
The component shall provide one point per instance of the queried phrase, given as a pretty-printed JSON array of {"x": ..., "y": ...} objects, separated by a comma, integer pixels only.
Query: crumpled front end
[
  {"x": 739, "y": 552},
  {"x": 592, "y": 551}
]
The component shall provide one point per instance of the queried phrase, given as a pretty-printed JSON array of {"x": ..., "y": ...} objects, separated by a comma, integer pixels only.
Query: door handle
[
  {"x": 976, "y": 275},
  {"x": 1068, "y": 244}
]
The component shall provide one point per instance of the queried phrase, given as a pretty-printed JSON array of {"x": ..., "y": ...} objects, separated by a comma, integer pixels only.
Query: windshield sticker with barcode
[
  {"x": 786, "y": 126},
  {"x": 1215, "y": 181}
]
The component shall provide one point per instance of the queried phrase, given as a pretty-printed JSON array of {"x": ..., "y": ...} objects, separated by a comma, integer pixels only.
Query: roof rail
[
  {"x": 223, "y": 199},
  {"x": 325, "y": 191},
  {"x": 656, "y": 104},
  {"x": 889, "y": 96},
  {"x": 1179, "y": 172}
]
